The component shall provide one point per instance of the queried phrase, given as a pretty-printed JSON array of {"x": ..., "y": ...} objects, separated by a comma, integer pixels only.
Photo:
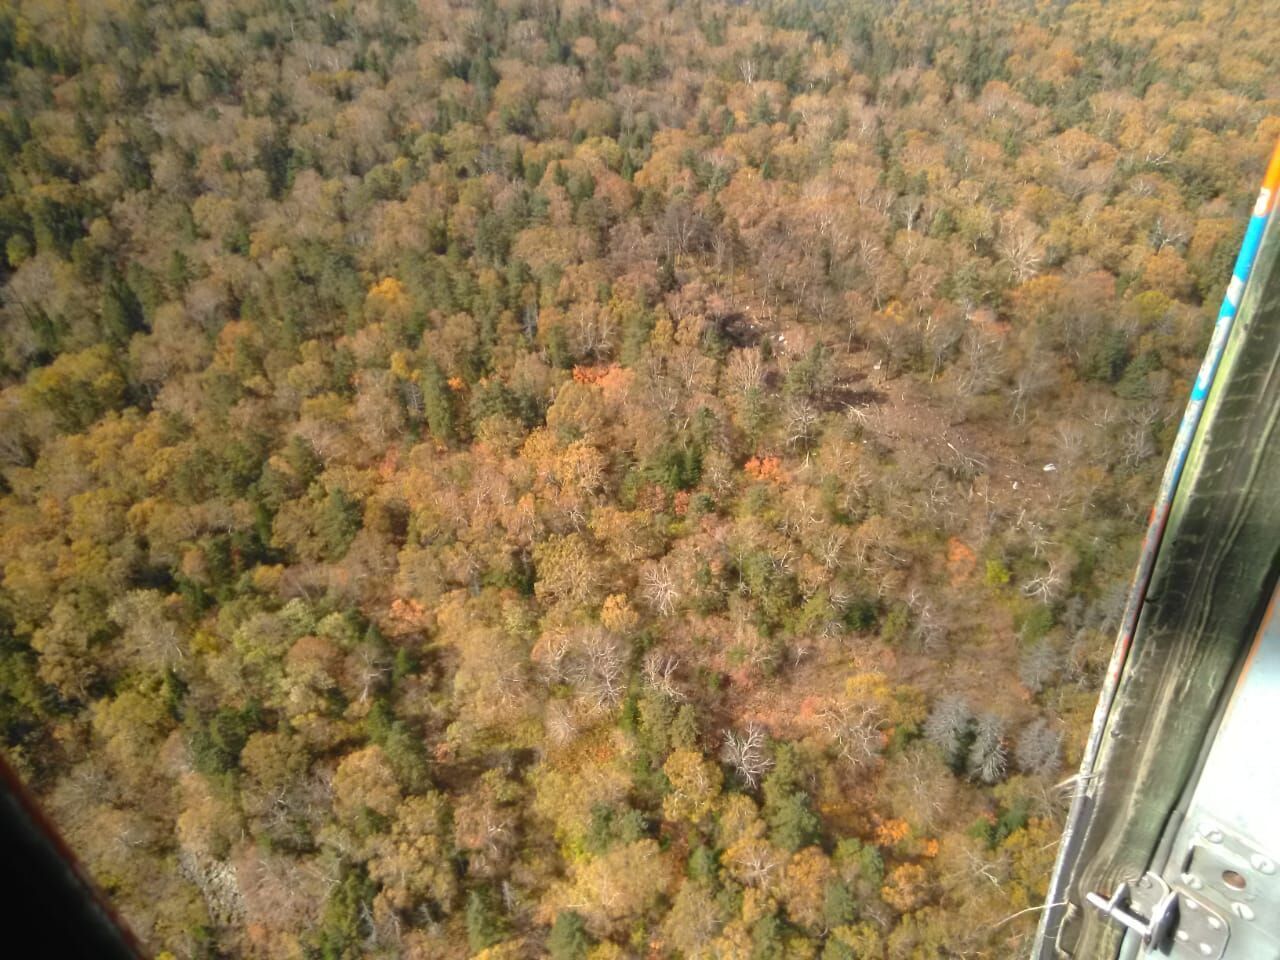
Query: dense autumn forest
[{"x": 591, "y": 480}]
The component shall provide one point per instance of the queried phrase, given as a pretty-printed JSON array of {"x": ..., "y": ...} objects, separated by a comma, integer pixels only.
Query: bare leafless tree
[
  {"x": 660, "y": 589},
  {"x": 856, "y": 730},
  {"x": 1039, "y": 666},
  {"x": 1032, "y": 380},
  {"x": 757, "y": 863},
  {"x": 948, "y": 725},
  {"x": 745, "y": 370},
  {"x": 659, "y": 671},
  {"x": 1039, "y": 748},
  {"x": 983, "y": 364},
  {"x": 1138, "y": 441},
  {"x": 801, "y": 423},
  {"x": 1019, "y": 247},
  {"x": 988, "y": 755},
  {"x": 830, "y": 551},
  {"x": 1046, "y": 587},
  {"x": 927, "y": 628},
  {"x": 1069, "y": 439},
  {"x": 561, "y": 723},
  {"x": 1036, "y": 532},
  {"x": 747, "y": 753},
  {"x": 369, "y": 669},
  {"x": 596, "y": 664}
]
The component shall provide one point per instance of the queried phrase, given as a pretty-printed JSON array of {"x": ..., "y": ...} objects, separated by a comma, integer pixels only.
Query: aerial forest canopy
[{"x": 591, "y": 480}]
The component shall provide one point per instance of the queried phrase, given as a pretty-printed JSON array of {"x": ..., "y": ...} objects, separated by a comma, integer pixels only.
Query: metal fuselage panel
[
  {"x": 1211, "y": 575},
  {"x": 1226, "y": 850}
]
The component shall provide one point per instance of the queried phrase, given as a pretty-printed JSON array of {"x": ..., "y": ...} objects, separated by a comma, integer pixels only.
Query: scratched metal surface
[
  {"x": 1226, "y": 852},
  {"x": 1204, "y": 604}
]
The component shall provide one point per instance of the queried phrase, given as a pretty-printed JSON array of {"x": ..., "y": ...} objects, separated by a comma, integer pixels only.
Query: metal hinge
[
  {"x": 1162, "y": 915},
  {"x": 1169, "y": 921}
]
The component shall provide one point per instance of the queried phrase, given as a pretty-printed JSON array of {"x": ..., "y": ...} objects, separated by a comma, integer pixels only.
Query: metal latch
[
  {"x": 1170, "y": 921},
  {"x": 1163, "y": 909}
]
